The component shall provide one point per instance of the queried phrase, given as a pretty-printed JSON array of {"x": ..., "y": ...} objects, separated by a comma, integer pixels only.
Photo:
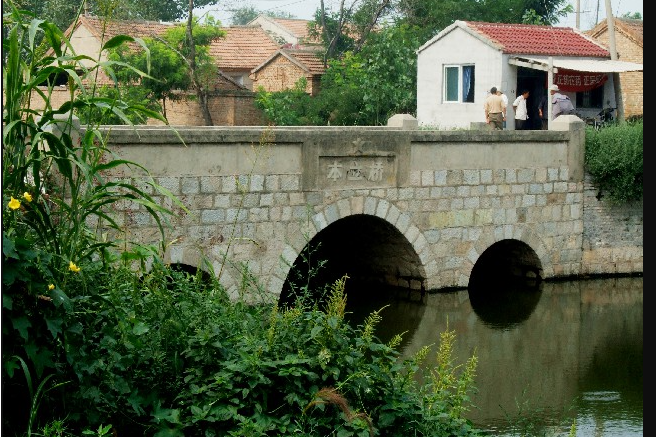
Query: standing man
[
  {"x": 495, "y": 110},
  {"x": 560, "y": 103},
  {"x": 521, "y": 111},
  {"x": 505, "y": 101}
]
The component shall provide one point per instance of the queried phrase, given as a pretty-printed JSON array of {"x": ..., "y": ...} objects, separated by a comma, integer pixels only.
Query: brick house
[
  {"x": 231, "y": 100},
  {"x": 286, "y": 66},
  {"x": 628, "y": 43},
  {"x": 242, "y": 49}
]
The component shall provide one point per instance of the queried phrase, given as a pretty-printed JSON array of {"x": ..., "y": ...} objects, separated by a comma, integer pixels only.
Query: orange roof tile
[
  {"x": 529, "y": 39},
  {"x": 112, "y": 28},
  {"x": 243, "y": 48},
  {"x": 307, "y": 59},
  {"x": 298, "y": 28},
  {"x": 311, "y": 59}
]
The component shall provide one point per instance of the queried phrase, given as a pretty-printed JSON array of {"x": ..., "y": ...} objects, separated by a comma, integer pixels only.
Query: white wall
[{"x": 456, "y": 47}]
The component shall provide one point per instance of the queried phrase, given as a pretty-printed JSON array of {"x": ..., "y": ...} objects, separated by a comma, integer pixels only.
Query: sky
[{"x": 305, "y": 9}]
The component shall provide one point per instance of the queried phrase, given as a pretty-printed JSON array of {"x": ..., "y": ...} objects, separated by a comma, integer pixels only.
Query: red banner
[{"x": 576, "y": 81}]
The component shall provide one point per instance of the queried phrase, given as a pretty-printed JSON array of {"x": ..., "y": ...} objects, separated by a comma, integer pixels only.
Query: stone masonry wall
[
  {"x": 256, "y": 197},
  {"x": 612, "y": 235}
]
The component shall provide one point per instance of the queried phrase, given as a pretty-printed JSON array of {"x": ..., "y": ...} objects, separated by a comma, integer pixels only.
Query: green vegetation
[
  {"x": 614, "y": 159},
  {"x": 173, "y": 72},
  {"x": 100, "y": 337}
]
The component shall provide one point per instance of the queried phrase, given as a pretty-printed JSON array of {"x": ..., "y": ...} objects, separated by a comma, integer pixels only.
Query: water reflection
[
  {"x": 504, "y": 305},
  {"x": 562, "y": 350}
]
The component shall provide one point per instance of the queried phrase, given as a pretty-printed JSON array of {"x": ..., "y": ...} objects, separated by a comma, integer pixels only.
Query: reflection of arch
[
  {"x": 380, "y": 211},
  {"x": 505, "y": 284}
]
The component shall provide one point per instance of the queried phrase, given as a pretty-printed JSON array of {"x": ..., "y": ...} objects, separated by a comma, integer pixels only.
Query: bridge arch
[
  {"x": 518, "y": 245},
  {"x": 364, "y": 216}
]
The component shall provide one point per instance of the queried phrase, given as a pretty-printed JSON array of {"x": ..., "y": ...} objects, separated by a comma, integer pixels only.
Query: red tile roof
[
  {"x": 243, "y": 48},
  {"x": 530, "y": 39}
]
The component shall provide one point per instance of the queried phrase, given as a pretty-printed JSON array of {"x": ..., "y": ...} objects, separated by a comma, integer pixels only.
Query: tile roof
[
  {"x": 632, "y": 28},
  {"x": 310, "y": 61},
  {"x": 530, "y": 39},
  {"x": 112, "y": 28},
  {"x": 298, "y": 28},
  {"x": 243, "y": 48}
]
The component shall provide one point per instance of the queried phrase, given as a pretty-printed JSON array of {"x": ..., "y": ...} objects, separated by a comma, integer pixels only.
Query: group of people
[{"x": 496, "y": 105}]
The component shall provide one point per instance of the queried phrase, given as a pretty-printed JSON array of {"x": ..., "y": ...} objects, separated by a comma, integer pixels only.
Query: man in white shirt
[{"x": 521, "y": 112}]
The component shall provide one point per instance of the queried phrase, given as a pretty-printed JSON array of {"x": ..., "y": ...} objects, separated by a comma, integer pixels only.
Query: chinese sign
[
  {"x": 577, "y": 81},
  {"x": 357, "y": 171}
]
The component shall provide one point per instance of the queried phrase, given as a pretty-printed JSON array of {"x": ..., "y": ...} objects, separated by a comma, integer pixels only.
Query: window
[
  {"x": 459, "y": 83},
  {"x": 590, "y": 99}
]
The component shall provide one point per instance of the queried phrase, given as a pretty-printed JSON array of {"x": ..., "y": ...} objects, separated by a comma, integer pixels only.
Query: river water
[{"x": 549, "y": 354}]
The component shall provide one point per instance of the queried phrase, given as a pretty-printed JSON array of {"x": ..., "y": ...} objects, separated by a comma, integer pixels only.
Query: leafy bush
[
  {"x": 161, "y": 357},
  {"x": 53, "y": 193},
  {"x": 113, "y": 346},
  {"x": 614, "y": 158}
]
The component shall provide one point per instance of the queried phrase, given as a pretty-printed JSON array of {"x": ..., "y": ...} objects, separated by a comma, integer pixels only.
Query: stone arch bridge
[{"x": 409, "y": 207}]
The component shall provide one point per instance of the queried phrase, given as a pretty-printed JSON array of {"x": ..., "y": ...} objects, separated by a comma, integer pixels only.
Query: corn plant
[{"x": 55, "y": 197}]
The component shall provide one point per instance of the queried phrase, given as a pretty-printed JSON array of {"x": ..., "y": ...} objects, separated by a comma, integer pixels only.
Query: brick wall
[
  {"x": 632, "y": 81},
  {"x": 228, "y": 108},
  {"x": 281, "y": 74}
]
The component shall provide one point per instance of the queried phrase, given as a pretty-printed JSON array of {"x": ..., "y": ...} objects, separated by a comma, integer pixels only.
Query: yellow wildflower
[
  {"x": 14, "y": 203},
  {"x": 72, "y": 267},
  {"x": 27, "y": 196},
  {"x": 51, "y": 287}
]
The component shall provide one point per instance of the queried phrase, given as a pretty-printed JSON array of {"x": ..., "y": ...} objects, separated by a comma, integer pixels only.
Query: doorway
[{"x": 535, "y": 81}]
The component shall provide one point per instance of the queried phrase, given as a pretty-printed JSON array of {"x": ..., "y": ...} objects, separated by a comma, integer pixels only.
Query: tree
[
  {"x": 247, "y": 14},
  {"x": 366, "y": 88},
  {"x": 432, "y": 16},
  {"x": 63, "y": 12},
  {"x": 632, "y": 15},
  {"x": 175, "y": 65},
  {"x": 348, "y": 27}
]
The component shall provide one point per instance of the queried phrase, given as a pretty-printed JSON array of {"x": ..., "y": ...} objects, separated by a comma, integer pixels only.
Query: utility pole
[
  {"x": 617, "y": 87},
  {"x": 578, "y": 14}
]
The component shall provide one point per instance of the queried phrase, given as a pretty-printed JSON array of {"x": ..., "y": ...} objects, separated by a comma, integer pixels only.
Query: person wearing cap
[
  {"x": 560, "y": 103},
  {"x": 505, "y": 101},
  {"x": 495, "y": 109}
]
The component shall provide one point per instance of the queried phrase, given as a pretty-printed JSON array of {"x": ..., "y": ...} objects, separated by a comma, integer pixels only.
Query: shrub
[
  {"x": 614, "y": 159},
  {"x": 118, "y": 348}
]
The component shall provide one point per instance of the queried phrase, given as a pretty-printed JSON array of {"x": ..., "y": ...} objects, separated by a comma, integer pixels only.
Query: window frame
[{"x": 448, "y": 77}]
